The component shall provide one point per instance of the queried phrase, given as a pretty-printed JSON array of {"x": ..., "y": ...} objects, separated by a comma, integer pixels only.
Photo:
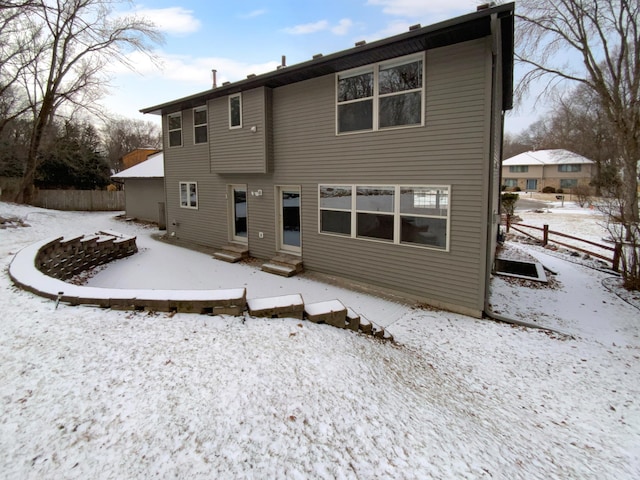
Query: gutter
[{"x": 487, "y": 312}]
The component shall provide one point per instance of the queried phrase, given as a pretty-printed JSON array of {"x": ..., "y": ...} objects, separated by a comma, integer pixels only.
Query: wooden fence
[
  {"x": 82, "y": 200},
  {"x": 616, "y": 250}
]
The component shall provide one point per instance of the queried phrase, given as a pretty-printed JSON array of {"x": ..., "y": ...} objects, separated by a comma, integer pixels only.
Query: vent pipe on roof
[
  {"x": 417, "y": 26},
  {"x": 215, "y": 79},
  {"x": 283, "y": 62}
]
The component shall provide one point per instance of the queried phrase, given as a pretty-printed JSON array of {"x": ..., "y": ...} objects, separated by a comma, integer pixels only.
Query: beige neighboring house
[
  {"x": 144, "y": 190},
  {"x": 560, "y": 169}
]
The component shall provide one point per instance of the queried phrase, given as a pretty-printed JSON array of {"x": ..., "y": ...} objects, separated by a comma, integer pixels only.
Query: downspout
[{"x": 488, "y": 312}]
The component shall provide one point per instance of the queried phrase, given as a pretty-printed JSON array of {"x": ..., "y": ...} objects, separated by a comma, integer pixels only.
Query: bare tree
[
  {"x": 604, "y": 37},
  {"x": 63, "y": 68},
  {"x": 15, "y": 43},
  {"x": 123, "y": 135}
]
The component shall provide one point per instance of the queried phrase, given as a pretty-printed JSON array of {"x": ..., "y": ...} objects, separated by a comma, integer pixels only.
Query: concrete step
[
  {"x": 288, "y": 260},
  {"x": 227, "y": 257},
  {"x": 284, "y": 265},
  {"x": 282, "y": 270},
  {"x": 232, "y": 253}
]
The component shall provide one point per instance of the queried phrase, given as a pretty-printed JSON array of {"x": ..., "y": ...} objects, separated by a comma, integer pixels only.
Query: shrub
[
  {"x": 548, "y": 190},
  {"x": 583, "y": 195},
  {"x": 508, "y": 201},
  {"x": 559, "y": 190}
]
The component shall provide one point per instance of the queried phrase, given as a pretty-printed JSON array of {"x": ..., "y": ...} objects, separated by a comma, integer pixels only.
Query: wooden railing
[{"x": 616, "y": 250}]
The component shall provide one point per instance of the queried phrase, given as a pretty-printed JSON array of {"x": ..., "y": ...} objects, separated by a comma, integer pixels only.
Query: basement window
[{"x": 519, "y": 269}]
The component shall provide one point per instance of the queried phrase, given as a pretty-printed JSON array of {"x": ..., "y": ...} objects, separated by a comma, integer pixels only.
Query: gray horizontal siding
[
  {"x": 450, "y": 149},
  {"x": 142, "y": 196},
  {"x": 241, "y": 150}
]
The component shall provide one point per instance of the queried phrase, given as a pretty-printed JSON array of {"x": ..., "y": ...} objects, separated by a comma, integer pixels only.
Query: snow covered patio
[{"x": 96, "y": 393}]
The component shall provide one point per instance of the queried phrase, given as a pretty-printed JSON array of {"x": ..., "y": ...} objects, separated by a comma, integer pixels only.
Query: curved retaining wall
[{"x": 41, "y": 268}]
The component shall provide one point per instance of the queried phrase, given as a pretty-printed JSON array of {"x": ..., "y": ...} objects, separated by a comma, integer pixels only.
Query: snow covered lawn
[{"x": 91, "y": 393}]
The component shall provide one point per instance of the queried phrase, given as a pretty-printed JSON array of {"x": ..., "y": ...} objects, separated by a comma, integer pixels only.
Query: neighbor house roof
[
  {"x": 153, "y": 167},
  {"x": 547, "y": 157},
  {"x": 461, "y": 29}
]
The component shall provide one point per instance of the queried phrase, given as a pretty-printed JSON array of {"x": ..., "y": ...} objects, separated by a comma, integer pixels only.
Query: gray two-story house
[{"x": 379, "y": 164}]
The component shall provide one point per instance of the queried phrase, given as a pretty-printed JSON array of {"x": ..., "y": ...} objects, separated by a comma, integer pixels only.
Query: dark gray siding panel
[
  {"x": 142, "y": 196},
  {"x": 190, "y": 163},
  {"x": 241, "y": 150},
  {"x": 450, "y": 149},
  {"x": 299, "y": 119}
]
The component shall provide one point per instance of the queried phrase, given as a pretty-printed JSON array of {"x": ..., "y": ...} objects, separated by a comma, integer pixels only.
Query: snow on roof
[
  {"x": 153, "y": 167},
  {"x": 547, "y": 157}
]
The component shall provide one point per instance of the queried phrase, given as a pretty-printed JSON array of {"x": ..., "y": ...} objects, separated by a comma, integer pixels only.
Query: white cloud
[
  {"x": 195, "y": 71},
  {"x": 254, "y": 13},
  {"x": 173, "y": 20},
  {"x": 343, "y": 27},
  {"x": 393, "y": 28},
  {"x": 307, "y": 28},
  {"x": 422, "y": 8}
]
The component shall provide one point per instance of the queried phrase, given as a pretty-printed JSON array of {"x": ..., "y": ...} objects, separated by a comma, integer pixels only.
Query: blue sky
[{"x": 240, "y": 38}]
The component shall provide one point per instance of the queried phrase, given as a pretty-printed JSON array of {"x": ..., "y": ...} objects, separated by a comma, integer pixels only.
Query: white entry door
[{"x": 290, "y": 235}]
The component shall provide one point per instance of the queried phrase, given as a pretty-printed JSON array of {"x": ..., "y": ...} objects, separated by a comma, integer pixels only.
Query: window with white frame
[
  {"x": 411, "y": 215},
  {"x": 200, "y": 125},
  {"x": 174, "y": 121},
  {"x": 384, "y": 95},
  {"x": 519, "y": 168},
  {"x": 569, "y": 168},
  {"x": 235, "y": 111},
  {"x": 335, "y": 209},
  {"x": 188, "y": 194}
]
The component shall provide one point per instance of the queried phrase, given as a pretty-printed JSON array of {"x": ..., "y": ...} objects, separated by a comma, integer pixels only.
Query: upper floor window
[
  {"x": 569, "y": 168},
  {"x": 518, "y": 168},
  {"x": 235, "y": 111},
  {"x": 188, "y": 194},
  {"x": 384, "y": 95},
  {"x": 200, "y": 125},
  {"x": 174, "y": 121}
]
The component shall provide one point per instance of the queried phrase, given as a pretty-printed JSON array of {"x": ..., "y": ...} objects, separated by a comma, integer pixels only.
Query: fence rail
[{"x": 616, "y": 250}]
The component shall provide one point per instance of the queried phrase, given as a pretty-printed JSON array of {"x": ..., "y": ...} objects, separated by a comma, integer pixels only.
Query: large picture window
[
  {"x": 384, "y": 95},
  {"x": 411, "y": 215},
  {"x": 519, "y": 168},
  {"x": 174, "y": 121},
  {"x": 188, "y": 194},
  {"x": 568, "y": 183},
  {"x": 200, "y": 125}
]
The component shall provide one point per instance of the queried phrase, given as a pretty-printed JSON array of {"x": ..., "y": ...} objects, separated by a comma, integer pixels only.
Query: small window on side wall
[
  {"x": 174, "y": 122},
  {"x": 235, "y": 111},
  {"x": 188, "y": 195},
  {"x": 200, "y": 125}
]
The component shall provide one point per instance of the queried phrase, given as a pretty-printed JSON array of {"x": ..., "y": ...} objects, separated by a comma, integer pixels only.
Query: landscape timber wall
[{"x": 62, "y": 259}]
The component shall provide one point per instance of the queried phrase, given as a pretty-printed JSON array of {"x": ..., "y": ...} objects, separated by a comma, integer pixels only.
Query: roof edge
[{"x": 504, "y": 11}]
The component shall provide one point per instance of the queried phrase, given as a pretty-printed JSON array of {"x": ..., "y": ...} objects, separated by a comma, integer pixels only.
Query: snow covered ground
[{"x": 91, "y": 393}]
